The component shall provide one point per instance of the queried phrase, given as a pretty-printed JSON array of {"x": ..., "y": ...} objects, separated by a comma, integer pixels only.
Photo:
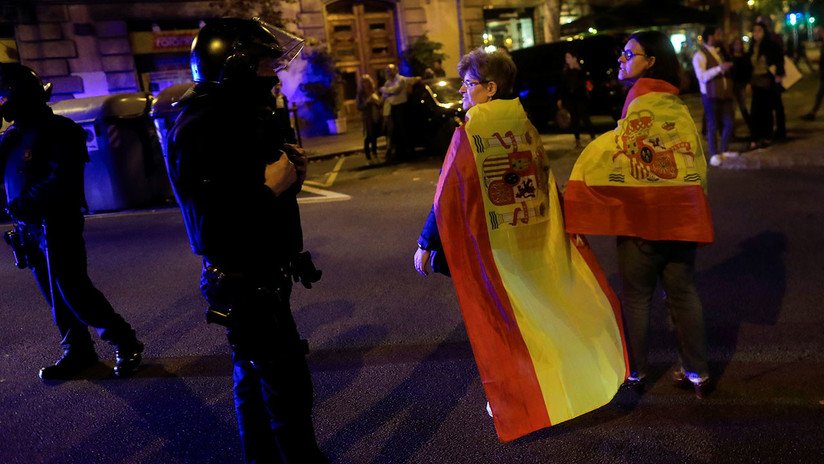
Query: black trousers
[
  {"x": 642, "y": 264},
  {"x": 272, "y": 384},
  {"x": 58, "y": 260}
]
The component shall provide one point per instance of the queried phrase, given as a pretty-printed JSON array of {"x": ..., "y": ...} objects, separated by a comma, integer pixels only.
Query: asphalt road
[{"x": 395, "y": 380}]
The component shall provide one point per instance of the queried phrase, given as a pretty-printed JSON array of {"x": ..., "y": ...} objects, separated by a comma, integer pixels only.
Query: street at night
[{"x": 395, "y": 380}]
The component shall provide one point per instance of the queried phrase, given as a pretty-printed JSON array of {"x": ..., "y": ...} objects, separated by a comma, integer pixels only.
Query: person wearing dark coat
[
  {"x": 819, "y": 96},
  {"x": 236, "y": 182},
  {"x": 42, "y": 158},
  {"x": 767, "y": 69}
]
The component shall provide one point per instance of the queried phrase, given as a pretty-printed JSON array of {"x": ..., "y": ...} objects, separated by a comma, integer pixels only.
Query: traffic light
[{"x": 794, "y": 19}]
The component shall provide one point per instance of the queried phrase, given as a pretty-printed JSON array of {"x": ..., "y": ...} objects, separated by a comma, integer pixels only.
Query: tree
[
  {"x": 421, "y": 54},
  {"x": 270, "y": 11}
]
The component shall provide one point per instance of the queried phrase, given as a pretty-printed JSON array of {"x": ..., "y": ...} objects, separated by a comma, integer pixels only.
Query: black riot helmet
[
  {"x": 236, "y": 50},
  {"x": 22, "y": 93}
]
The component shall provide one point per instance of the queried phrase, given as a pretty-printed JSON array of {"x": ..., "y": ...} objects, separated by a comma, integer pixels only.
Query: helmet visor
[{"x": 290, "y": 43}]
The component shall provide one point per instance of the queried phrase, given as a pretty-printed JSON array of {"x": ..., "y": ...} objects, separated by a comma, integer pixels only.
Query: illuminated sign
[{"x": 145, "y": 42}]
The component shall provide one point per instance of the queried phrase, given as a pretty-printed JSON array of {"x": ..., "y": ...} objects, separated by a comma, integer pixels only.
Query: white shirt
[
  {"x": 699, "y": 64},
  {"x": 394, "y": 90}
]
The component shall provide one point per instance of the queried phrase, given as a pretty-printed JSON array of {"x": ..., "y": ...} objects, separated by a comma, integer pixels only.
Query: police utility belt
[{"x": 227, "y": 291}]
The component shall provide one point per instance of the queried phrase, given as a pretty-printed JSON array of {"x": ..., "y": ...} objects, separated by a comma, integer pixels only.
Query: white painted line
[{"x": 324, "y": 196}]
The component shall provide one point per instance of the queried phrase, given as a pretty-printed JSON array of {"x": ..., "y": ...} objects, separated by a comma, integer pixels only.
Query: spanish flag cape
[
  {"x": 543, "y": 323},
  {"x": 647, "y": 178}
]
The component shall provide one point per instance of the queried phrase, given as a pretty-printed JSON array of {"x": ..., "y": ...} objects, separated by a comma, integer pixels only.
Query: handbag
[{"x": 563, "y": 118}]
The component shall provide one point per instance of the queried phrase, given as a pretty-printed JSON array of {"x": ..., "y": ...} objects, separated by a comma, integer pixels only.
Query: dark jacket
[
  {"x": 218, "y": 150},
  {"x": 42, "y": 163}
]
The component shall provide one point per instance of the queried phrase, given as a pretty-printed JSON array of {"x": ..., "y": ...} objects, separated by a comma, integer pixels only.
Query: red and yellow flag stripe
[
  {"x": 647, "y": 178},
  {"x": 543, "y": 323}
]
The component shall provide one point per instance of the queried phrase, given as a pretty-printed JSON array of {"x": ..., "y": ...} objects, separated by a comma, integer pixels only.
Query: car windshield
[{"x": 446, "y": 90}]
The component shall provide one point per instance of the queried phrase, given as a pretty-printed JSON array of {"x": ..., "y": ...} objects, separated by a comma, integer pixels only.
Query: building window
[{"x": 508, "y": 27}]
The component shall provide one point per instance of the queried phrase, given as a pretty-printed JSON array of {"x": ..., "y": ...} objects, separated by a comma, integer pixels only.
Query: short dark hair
[
  {"x": 656, "y": 44},
  {"x": 495, "y": 67},
  {"x": 709, "y": 31}
]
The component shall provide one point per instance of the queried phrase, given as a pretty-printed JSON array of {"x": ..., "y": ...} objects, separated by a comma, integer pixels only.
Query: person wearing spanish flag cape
[
  {"x": 544, "y": 326},
  {"x": 646, "y": 183}
]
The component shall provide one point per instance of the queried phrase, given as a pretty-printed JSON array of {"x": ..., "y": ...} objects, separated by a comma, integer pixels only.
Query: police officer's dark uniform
[
  {"x": 219, "y": 149},
  {"x": 42, "y": 157}
]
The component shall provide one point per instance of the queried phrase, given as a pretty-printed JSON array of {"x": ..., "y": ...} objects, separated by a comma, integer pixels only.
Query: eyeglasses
[
  {"x": 469, "y": 84},
  {"x": 629, "y": 54}
]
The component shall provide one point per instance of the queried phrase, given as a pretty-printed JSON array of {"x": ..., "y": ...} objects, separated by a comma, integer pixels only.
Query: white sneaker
[
  {"x": 729, "y": 154},
  {"x": 488, "y": 409},
  {"x": 716, "y": 160}
]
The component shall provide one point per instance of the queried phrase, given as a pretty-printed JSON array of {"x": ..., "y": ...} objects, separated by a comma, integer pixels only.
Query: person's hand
[
  {"x": 280, "y": 175},
  {"x": 422, "y": 261},
  {"x": 298, "y": 157},
  {"x": 726, "y": 66}
]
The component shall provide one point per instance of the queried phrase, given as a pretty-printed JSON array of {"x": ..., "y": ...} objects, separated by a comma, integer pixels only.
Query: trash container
[
  {"x": 164, "y": 112},
  {"x": 126, "y": 169}
]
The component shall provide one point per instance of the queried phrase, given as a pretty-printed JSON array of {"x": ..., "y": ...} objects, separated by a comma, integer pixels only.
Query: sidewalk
[
  {"x": 805, "y": 146},
  {"x": 348, "y": 143}
]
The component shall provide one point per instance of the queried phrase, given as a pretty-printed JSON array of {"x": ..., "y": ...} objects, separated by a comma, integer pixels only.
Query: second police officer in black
[
  {"x": 237, "y": 189},
  {"x": 42, "y": 158}
]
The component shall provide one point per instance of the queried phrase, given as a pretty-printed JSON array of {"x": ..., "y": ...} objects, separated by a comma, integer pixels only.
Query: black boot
[
  {"x": 69, "y": 366},
  {"x": 128, "y": 358}
]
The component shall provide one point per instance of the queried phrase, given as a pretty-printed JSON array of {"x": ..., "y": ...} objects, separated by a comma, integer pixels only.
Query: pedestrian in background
[
  {"x": 282, "y": 114},
  {"x": 395, "y": 95},
  {"x": 779, "y": 130},
  {"x": 765, "y": 56},
  {"x": 575, "y": 96},
  {"x": 741, "y": 73},
  {"x": 42, "y": 157},
  {"x": 371, "y": 107},
  {"x": 236, "y": 183},
  {"x": 712, "y": 67},
  {"x": 646, "y": 184},
  {"x": 819, "y": 32}
]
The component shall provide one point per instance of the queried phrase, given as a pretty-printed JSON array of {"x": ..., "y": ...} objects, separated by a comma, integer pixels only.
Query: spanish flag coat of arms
[
  {"x": 647, "y": 178},
  {"x": 544, "y": 325}
]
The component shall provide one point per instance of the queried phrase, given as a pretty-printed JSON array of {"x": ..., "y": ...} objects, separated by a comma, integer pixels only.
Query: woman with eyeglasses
[
  {"x": 645, "y": 182},
  {"x": 540, "y": 316}
]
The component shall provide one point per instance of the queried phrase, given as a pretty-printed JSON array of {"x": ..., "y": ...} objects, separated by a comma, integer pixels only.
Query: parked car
[
  {"x": 434, "y": 111},
  {"x": 540, "y": 71}
]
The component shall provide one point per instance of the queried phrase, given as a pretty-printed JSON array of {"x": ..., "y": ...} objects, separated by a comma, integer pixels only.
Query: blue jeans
[
  {"x": 642, "y": 263},
  {"x": 720, "y": 115}
]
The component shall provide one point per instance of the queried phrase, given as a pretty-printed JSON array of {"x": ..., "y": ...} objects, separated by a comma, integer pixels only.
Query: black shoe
[
  {"x": 127, "y": 359},
  {"x": 69, "y": 366},
  {"x": 629, "y": 393}
]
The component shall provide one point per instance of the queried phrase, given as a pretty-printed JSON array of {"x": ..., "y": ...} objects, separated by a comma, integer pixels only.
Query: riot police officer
[
  {"x": 237, "y": 189},
  {"x": 42, "y": 157}
]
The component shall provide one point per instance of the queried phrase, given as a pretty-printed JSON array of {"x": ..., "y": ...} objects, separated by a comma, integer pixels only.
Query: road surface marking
[
  {"x": 324, "y": 196},
  {"x": 332, "y": 176}
]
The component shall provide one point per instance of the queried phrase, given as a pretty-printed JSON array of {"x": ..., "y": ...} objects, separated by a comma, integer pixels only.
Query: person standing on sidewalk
[
  {"x": 819, "y": 32},
  {"x": 712, "y": 68},
  {"x": 741, "y": 74},
  {"x": 395, "y": 95},
  {"x": 237, "y": 183},
  {"x": 369, "y": 103},
  {"x": 42, "y": 157},
  {"x": 575, "y": 97},
  {"x": 765, "y": 57}
]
